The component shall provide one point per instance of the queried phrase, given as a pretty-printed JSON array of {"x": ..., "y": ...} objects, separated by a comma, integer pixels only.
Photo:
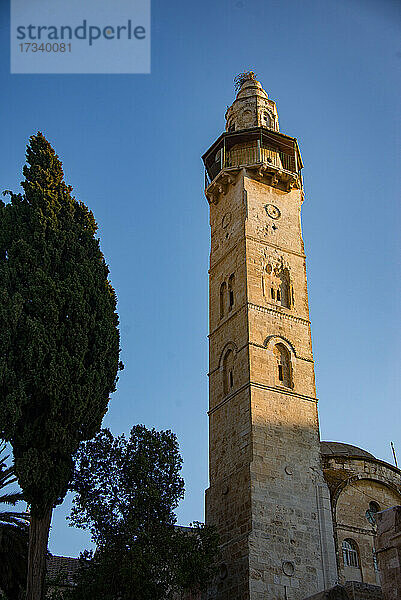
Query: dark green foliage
[
  {"x": 127, "y": 491},
  {"x": 59, "y": 341},
  {"x": 13, "y": 535}
]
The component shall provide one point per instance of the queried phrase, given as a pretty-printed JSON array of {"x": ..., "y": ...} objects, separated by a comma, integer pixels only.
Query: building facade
[
  {"x": 360, "y": 487},
  {"x": 268, "y": 494}
]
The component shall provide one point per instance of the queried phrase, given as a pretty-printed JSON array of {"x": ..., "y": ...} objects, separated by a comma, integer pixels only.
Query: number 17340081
[{"x": 49, "y": 47}]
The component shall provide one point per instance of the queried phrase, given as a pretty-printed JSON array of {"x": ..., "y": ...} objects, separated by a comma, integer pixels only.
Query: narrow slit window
[
  {"x": 284, "y": 296},
  {"x": 272, "y": 294},
  {"x": 223, "y": 289},
  {"x": 228, "y": 371},
  {"x": 375, "y": 563},
  {"x": 231, "y": 299}
]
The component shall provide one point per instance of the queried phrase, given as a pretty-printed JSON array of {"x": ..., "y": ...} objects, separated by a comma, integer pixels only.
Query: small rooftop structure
[{"x": 61, "y": 570}]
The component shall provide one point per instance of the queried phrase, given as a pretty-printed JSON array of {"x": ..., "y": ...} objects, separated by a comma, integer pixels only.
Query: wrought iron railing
[{"x": 250, "y": 155}]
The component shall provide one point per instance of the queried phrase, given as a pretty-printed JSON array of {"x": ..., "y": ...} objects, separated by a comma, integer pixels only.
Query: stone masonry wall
[
  {"x": 228, "y": 497},
  {"x": 285, "y": 549},
  {"x": 389, "y": 551},
  {"x": 265, "y": 473}
]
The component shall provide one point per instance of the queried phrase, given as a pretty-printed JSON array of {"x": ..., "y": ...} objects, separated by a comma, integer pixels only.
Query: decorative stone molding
[
  {"x": 299, "y": 357},
  {"x": 267, "y": 173},
  {"x": 268, "y": 243},
  {"x": 272, "y": 340},
  {"x": 276, "y": 389},
  {"x": 220, "y": 184},
  {"x": 358, "y": 477},
  {"x": 280, "y": 312}
]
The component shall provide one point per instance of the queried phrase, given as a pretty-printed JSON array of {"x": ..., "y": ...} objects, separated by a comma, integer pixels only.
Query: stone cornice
[
  {"x": 238, "y": 351},
  {"x": 266, "y": 172},
  {"x": 220, "y": 184},
  {"x": 278, "y": 311},
  {"x": 275, "y": 246},
  {"x": 297, "y": 356},
  {"x": 254, "y": 239},
  {"x": 267, "y": 309},
  {"x": 283, "y": 390},
  {"x": 358, "y": 458},
  {"x": 226, "y": 319},
  {"x": 247, "y": 344},
  {"x": 270, "y": 388},
  {"x": 361, "y": 530},
  {"x": 223, "y": 256}
]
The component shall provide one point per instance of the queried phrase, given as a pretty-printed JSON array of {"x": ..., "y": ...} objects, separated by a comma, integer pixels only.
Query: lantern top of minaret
[{"x": 251, "y": 107}]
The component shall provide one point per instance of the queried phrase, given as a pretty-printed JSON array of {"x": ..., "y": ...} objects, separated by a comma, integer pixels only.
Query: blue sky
[{"x": 131, "y": 147}]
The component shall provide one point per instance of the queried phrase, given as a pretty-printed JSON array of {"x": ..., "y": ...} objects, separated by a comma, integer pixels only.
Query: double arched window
[
  {"x": 281, "y": 290},
  {"x": 350, "y": 553}
]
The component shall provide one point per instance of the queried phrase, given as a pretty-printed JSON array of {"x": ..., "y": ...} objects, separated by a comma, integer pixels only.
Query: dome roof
[
  {"x": 341, "y": 449},
  {"x": 251, "y": 87}
]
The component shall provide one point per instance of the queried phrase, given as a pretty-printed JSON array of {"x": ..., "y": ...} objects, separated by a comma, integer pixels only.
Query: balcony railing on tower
[{"x": 252, "y": 147}]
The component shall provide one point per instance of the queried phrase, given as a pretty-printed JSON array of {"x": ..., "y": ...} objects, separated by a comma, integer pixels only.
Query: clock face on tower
[{"x": 272, "y": 211}]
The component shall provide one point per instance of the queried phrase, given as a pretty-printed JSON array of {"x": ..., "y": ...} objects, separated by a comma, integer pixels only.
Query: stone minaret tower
[{"x": 267, "y": 495}]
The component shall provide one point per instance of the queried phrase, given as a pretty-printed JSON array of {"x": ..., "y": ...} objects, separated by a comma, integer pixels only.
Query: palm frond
[
  {"x": 14, "y": 517},
  {"x": 13, "y": 533},
  {"x": 7, "y": 477},
  {"x": 11, "y": 498}
]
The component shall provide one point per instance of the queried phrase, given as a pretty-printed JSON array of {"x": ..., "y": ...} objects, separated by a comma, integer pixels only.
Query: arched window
[
  {"x": 266, "y": 119},
  {"x": 350, "y": 553},
  {"x": 228, "y": 371},
  {"x": 371, "y": 512},
  {"x": 231, "y": 284},
  {"x": 283, "y": 359},
  {"x": 223, "y": 291}
]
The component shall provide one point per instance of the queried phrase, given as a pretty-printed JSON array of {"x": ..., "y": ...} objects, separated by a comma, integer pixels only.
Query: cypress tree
[{"x": 59, "y": 339}]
